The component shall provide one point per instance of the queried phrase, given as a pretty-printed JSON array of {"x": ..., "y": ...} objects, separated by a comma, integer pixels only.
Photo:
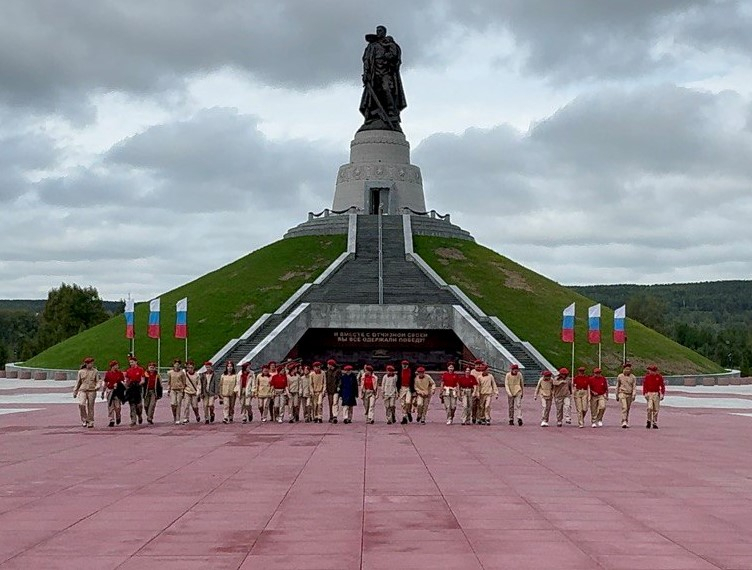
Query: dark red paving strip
[{"x": 310, "y": 496}]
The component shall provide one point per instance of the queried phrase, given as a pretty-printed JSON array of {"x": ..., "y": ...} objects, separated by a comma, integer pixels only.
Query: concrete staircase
[
  {"x": 517, "y": 349},
  {"x": 357, "y": 282}
]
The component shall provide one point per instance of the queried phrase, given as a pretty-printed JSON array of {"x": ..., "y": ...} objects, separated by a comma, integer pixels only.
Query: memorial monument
[{"x": 379, "y": 176}]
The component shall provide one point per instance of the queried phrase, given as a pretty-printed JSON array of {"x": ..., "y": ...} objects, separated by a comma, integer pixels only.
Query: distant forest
[
  {"x": 37, "y": 305},
  {"x": 713, "y": 318},
  {"x": 27, "y": 327}
]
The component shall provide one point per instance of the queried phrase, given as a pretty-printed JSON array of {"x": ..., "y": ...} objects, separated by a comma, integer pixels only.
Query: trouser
[
  {"x": 190, "y": 401},
  {"x": 559, "y": 402},
  {"x": 369, "y": 403},
  {"x": 246, "y": 409},
  {"x": 422, "y": 405},
  {"x": 581, "y": 405},
  {"x": 176, "y": 403},
  {"x": 113, "y": 406},
  {"x": 306, "y": 404},
  {"x": 546, "y": 405},
  {"x": 406, "y": 400},
  {"x": 484, "y": 407},
  {"x": 476, "y": 408},
  {"x": 597, "y": 408},
  {"x": 390, "y": 403},
  {"x": 466, "y": 397},
  {"x": 150, "y": 404},
  {"x": 654, "y": 406},
  {"x": 228, "y": 407},
  {"x": 515, "y": 407},
  {"x": 450, "y": 403},
  {"x": 264, "y": 407},
  {"x": 86, "y": 402},
  {"x": 347, "y": 413},
  {"x": 136, "y": 411},
  {"x": 279, "y": 405},
  {"x": 333, "y": 405},
  {"x": 209, "y": 407},
  {"x": 317, "y": 403},
  {"x": 626, "y": 404},
  {"x": 568, "y": 408},
  {"x": 295, "y": 406}
]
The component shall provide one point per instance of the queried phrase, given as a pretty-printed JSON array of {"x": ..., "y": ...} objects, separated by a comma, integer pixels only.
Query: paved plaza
[{"x": 311, "y": 496}]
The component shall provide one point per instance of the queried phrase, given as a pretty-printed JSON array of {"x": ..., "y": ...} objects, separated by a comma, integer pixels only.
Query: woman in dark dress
[{"x": 348, "y": 391}]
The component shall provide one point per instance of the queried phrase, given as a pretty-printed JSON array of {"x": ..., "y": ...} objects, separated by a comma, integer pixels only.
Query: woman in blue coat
[{"x": 348, "y": 392}]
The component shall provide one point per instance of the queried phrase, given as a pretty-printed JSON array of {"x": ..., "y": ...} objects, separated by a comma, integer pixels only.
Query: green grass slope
[
  {"x": 531, "y": 305},
  {"x": 221, "y": 305}
]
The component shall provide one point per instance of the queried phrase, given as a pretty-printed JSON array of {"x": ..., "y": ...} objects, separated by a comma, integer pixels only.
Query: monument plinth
[{"x": 379, "y": 175}]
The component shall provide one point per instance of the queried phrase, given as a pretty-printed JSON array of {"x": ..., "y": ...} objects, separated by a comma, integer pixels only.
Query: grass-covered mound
[
  {"x": 221, "y": 305},
  {"x": 531, "y": 305}
]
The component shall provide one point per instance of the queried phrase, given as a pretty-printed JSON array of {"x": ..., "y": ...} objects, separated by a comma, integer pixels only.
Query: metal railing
[
  {"x": 326, "y": 212},
  {"x": 433, "y": 214}
]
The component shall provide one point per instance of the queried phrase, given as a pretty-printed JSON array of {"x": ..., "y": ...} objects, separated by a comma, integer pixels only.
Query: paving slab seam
[
  {"x": 201, "y": 498},
  {"x": 282, "y": 500},
  {"x": 530, "y": 503},
  {"x": 443, "y": 498},
  {"x": 73, "y": 523},
  {"x": 50, "y": 454},
  {"x": 363, "y": 517},
  {"x": 601, "y": 498}
]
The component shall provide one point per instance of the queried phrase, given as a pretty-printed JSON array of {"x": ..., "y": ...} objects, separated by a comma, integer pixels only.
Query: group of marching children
[
  {"x": 591, "y": 393},
  {"x": 301, "y": 392}
]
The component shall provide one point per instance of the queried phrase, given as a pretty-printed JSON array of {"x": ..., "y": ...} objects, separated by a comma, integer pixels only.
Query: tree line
[
  {"x": 29, "y": 327},
  {"x": 713, "y": 318}
]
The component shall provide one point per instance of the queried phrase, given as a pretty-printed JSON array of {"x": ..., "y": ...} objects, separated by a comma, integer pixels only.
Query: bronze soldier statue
[{"x": 383, "y": 96}]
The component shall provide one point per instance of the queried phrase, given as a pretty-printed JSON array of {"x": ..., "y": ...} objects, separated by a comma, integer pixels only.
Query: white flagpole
[{"x": 572, "y": 369}]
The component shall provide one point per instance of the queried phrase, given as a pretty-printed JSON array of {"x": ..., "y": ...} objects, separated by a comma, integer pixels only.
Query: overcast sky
[{"x": 145, "y": 143}]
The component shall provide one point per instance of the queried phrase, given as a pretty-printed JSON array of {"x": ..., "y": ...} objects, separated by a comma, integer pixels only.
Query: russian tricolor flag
[
  {"x": 129, "y": 320},
  {"x": 181, "y": 318},
  {"x": 567, "y": 324},
  {"x": 620, "y": 325},
  {"x": 594, "y": 324},
  {"x": 153, "y": 330}
]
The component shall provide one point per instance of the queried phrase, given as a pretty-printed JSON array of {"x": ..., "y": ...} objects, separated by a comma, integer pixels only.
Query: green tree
[
  {"x": 648, "y": 309},
  {"x": 69, "y": 310},
  {"x": 3, "y": 356}
]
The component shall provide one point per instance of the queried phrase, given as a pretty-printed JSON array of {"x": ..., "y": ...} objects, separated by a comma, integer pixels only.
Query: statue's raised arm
[{"x": 383, "y": 96}]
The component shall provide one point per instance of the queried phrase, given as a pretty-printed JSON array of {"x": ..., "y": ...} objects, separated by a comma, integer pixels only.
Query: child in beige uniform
[
  {"x": 293, "y": 389},
  {"x": 318, "y": 388},
  {"x": 85, "y": 392},
  {"x": 191, "y": 392},
  {"x": 514, "y": 384},
  {"x": 626, "y": 392},
  {"x": 424, "y": 389},
  {"x": 545, "y": 389},
  {"x": 244, "y": 390},
  {"x": 264, "y": 393},
  {"x": 176, "y": 389},
  {"x": 227, "y": 384},
  {"x": 486, "y": 388},
  {"x": 562, "y": 389},
  {"x": 389, "y": 392},
  {"x": 305, "y": 394}
]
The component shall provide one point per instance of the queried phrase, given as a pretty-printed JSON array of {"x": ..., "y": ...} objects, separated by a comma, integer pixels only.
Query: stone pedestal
[{"x": 379, "y": 175}]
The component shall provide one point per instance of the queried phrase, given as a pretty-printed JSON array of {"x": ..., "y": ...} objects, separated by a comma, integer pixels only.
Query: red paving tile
[{"x": 375, "y": 497}]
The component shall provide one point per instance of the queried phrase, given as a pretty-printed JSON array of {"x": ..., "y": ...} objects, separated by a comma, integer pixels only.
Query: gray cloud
[
  {"x": 22, "y": 151},
  {"x": 661, "y": 172},
  {"x": 217, "y": 161},
  {"x": 53, "y": 55}
]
